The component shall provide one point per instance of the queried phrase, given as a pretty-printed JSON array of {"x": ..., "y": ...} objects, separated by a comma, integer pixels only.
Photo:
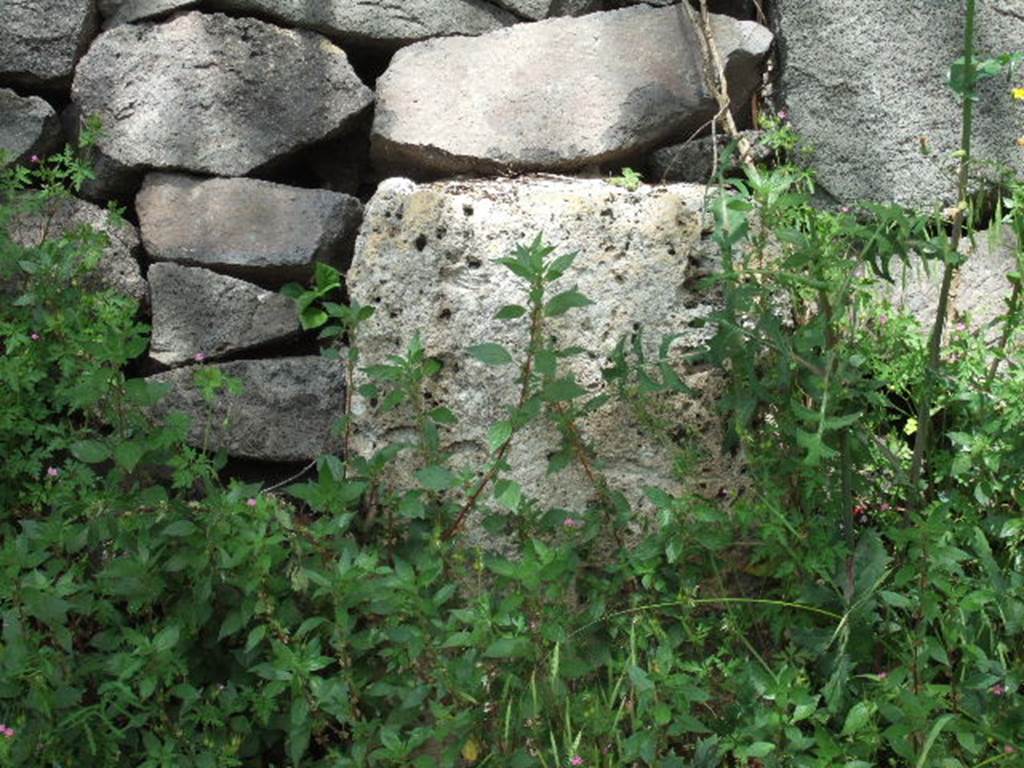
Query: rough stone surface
[
  {"x": 40, "y": 40},
  {"x": 557, "y": 94},
  {"x": 119, "y": 268},
  {"x": 28, "y": 126},
  {"x": 285, "y": 413},
  {"x": 694, "y": 161},
  {"x": 196, "y": 311},
  {"x": 117, "y": 12},
  {"x": 543, "y": 9},
  {"x": 865, "y": 85},
  {"x": 425, "y": 258},
  {"x": 388, "y": 23},
  {"x": 245, "y": 227},
  {"x": 979, "y": 290},
  {"x": 214, "y": 94}
]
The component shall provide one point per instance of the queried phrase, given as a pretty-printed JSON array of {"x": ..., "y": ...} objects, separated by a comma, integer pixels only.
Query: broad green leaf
[
  {"x": 563, "y": 302},
  {"x": 499, "y": 434},
  {"x": 561, "y": 390},
  {"x": 510, "y": 312},
  {"x": 128, "y": 454},
  {"x": 858, "y": 717},
  {"x": 436, "y": 478},
  {"x": 166, "y": 639},
  {"x": 491, "y": 354},
  {"x": 509, "y": 647},
  {"x": 90, "y": 451},
  {"x": 180, "y": 528}
]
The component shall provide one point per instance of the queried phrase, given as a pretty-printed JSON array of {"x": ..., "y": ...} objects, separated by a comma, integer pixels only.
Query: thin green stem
[{"x": 935, "y": 339}]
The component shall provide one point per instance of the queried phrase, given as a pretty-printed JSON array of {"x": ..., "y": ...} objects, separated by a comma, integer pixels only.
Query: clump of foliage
[{"x": 862, "y": 605}]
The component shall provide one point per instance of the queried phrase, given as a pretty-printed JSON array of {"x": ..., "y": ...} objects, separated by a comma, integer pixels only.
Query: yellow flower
[
  {"x": 1020, "y": 141},
  {"x": 1018, "y": 93}
]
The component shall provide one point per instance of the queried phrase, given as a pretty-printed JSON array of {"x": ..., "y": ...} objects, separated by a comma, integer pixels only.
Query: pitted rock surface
[
  {"x": 244, "y": 227},
  {"x": 214, "y": 94},
  {"x": 28, "y": 126},
  {"x": 425, "y": 259},
  {"x": 557, "y": 94},
  {"x": 40, "y": 40},
  {"x": 865, "y": 84},
  {"x": 285, "y": 413},
  {"x": 118, "y": 269},
  {"x": 198, "y": 312}
]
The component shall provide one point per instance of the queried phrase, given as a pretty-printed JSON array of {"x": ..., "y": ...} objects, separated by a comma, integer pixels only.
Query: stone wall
[{"x": 412, "y": 142}]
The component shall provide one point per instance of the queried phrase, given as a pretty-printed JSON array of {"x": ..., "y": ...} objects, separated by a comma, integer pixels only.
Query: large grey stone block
[
  {"x": 245, "y": 227},
  {"x": 214, "y": 94},
  {"x": 425, "y": 259},
  {"x": 40, "y": 40},
  {"x": 386, "y": 24},
  {"x": 118, "y": 269},
  {"x": 198, "y": 312},
  {"x": 28, "y": 126},
  {"x": 865, "y": 83},
  {"x": 556, "y": 94},
  {"x": 286, "y": 412}
]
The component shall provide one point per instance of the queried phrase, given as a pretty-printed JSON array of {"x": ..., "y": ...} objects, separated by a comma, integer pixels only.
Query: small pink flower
[
  {"x": 883, "y": 675},
  {"x": 1009, "y": 749},
  {"x": 251, "y": 502},
  {"x": 576, "y": 760},
  {"x": 35, "y": 336},
  {"x": 845, "y": 209},
  {"x": 35, "y": 159},
  {"x": 199, "y": 357},
  {"x": 572, "y": 522},
  {"x": 883, "y": 320},
  {"x": 52, "y": 472},
  {"x": 783, "y": 114},
  {"x": 998, "y": 689},
  {"x": 6, "y": 731}
]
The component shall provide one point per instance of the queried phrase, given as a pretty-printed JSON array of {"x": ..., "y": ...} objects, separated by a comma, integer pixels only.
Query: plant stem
[
  {"x": 935, "y": 339},
  {"x": 536, "y": 326}
]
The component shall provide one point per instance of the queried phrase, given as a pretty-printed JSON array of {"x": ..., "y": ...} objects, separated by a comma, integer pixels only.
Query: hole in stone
[
  {"x": 441, "y": 232},
  {"x": 445, "y": 314},
  {"x": 467, "y": 209},
  {"x": 473, "y": 263},
  {"x": 421, "y": 242}
]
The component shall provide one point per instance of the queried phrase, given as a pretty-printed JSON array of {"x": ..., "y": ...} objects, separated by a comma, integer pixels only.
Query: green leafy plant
[{"x": 630, "y": 180}]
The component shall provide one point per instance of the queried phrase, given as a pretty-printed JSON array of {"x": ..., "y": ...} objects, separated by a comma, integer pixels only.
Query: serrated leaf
[
  {"x": 166, "y": 639},
  {"x": 180, "y": 528},
  {"x": 561, "y": 390},
  {"x": 857, "y": 718},
  {"x": 90, "y": 451},
  {"x": 563, "y": 302},
  {"x": 255, "y": 637},
  {"x": 436, "y": 478},
  {"x": 560, "y": 266},
  {"x": 490, "y": 354},
  {"x": 510, "y": 312},
  {"x": 442, "y": 415},
  {"x": 498, "y": 435},
  {"x": 508, "y": 493},
  {"x": 509, "y": 647},
  {"x": 127, "y": 455}
]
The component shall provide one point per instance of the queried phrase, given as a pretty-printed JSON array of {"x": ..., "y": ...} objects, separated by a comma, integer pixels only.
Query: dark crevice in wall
[{"x": 265, "y": 473}]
